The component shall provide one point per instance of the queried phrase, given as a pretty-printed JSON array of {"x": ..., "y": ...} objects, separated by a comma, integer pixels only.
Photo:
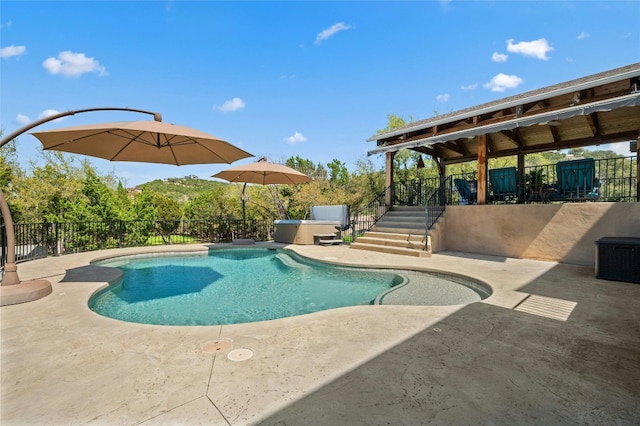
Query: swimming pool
[{"x": 239, "y": 285}]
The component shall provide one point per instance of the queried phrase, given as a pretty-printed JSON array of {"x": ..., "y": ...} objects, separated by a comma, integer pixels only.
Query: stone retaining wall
[{"x": 557, "y": 232}]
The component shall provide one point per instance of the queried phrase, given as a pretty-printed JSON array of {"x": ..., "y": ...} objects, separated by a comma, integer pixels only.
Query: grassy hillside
[{"x": 181, "y": 189}]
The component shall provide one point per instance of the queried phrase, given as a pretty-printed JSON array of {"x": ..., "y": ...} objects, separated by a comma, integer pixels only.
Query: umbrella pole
[
  {"x": 10, "y": 276},
  {"x": 244, "y": 216}
]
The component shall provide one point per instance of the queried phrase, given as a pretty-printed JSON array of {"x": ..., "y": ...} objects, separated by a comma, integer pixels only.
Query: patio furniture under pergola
[{"x": 598, "y": 109}]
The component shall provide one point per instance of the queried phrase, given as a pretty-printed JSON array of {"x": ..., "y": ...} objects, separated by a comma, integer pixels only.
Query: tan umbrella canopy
[
  {"x": 143, "y": 141},
  {"x": 263, "y": 173}
]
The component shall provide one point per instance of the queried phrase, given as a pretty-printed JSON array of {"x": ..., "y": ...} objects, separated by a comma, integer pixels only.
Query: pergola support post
[
  {"x": 520, "y": 176},
  {"x": 482, "y": 169},
  {"x": 389, "y": 193},
  {"x": 638, "y": 168}
]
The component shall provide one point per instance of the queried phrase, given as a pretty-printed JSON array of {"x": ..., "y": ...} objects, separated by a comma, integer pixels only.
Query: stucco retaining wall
[{"x": 557, "y": 232}]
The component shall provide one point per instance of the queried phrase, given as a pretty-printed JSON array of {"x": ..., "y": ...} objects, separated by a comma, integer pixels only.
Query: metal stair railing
[
  {"x": 363, "y": 219},
  {"x": 436, "y": 203}
]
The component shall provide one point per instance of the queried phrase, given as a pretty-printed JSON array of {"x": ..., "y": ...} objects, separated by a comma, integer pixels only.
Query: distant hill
[{"x": 181, "y": 189}]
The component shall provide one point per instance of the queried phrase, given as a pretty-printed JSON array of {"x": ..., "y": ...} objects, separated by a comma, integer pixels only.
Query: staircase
[{"x": 400, "y": 231}]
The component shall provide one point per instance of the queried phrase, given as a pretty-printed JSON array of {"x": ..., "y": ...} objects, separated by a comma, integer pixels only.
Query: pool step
[
  {"x": 393, "y": 240},
  {"x": 390, "y": 249},
  {"x": 326, "y": 239}
]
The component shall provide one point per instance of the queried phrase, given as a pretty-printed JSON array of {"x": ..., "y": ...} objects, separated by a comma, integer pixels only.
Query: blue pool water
[
  {"x": 238, "y": 285},
  {"x": 233, "y": 286}
]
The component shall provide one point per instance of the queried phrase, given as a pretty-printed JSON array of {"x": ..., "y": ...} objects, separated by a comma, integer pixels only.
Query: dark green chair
[
  {"x": 504, "y": 184},
  {"x": 576, "y": 181}
]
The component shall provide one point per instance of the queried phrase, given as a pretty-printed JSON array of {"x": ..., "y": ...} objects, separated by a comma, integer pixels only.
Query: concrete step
[
  {"x": 398, "y": 230},
  {"x": 407, "y": 208},
  {"x": 391, "y": 242},
  {"x": 403, "y": 213},
  {"x": 389, "y": 249},
  {"x": 401, "y": 223},
  {"x": 331, "y": 242},
  {"x": 414, "y": 237}
]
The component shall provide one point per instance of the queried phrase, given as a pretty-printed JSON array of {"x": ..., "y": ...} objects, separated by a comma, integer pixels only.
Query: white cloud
[
  {"x": 6, "y": 24},
  {"x": 499, "y": 57},
  {"x": 501, "y": 82},
  {"x": 232, "y": 105},
  {"x": 329, "y": 32},
  {"x": 22, "y": 119},
  {"x": 49, "y": 113},
  {"x": 71, "y": 64},
  {"x": 9, "y": 51},
  {"x": 583, "y": 35},
  {"x": 296, "y": 138},
  {"x": 536, "y": 48},
  {"x": 443, "y": 98},
  {"x": 469, "y": 87}
]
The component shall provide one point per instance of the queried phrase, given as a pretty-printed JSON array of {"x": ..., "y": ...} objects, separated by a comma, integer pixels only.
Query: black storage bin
[{"x": 618, "y": 259}]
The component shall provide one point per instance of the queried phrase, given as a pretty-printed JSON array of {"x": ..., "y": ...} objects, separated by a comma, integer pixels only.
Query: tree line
[{"x": 66, "y": 188}]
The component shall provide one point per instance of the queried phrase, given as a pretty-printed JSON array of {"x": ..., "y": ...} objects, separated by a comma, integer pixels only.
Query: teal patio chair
[
  {"x": 504, "y": 184},
  {"x": 466, "y": 195},
  {"x": 576, "y": 181}
]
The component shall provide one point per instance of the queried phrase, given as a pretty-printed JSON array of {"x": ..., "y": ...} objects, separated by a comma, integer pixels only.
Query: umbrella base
[{"x": 26, "y": 291}]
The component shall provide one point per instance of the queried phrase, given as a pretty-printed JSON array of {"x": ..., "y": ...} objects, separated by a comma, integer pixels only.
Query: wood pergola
[{"x": 598, "y": 109}]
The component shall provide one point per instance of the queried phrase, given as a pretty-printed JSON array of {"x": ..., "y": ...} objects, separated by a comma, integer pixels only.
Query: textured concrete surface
[{"x": 574, "y": 360}]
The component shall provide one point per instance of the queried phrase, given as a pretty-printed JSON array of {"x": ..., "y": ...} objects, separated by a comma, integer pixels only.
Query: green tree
[
  {"x": 394, "y": 122},
  {"x": 169, "y": 214},
  {"x": 9, "y": 173},
  {"x": 51, "y": 190},
  {"x": 124, "y": 202},
  {"x": 307, "y": 167},
  {"x": 99, "y": 202},
  {"x": 8, "y": 164},
  {"x": 338, "y": 172},
  {"x": 207, "y": 205}
]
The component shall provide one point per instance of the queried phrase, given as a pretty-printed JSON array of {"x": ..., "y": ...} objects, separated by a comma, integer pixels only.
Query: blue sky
[{"x": 314, "y": 79}]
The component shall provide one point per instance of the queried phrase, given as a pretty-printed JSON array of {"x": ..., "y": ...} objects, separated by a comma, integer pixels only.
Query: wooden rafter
[{"x": 594, "y": 124}]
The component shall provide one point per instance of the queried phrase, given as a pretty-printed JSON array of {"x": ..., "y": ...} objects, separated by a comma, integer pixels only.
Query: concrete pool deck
[{"x": 552, "y": 345}]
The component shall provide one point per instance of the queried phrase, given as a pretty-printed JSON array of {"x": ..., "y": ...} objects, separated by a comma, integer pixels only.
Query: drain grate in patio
[{"x": 548, "y": 307}]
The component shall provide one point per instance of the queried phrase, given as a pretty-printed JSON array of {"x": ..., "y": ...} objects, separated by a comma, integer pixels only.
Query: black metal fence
[
  {"x": 617, "y": 178},
  {"x": 37, "y": 240}
]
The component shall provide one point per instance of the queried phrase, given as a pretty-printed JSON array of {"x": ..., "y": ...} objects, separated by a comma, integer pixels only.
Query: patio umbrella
[
  {"x": 142, "y": 141},
  {"x": 263, "y": 173}
]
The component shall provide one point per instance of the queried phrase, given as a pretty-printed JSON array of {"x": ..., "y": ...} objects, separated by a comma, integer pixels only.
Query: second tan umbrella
[{"x": 263, "y": 173}]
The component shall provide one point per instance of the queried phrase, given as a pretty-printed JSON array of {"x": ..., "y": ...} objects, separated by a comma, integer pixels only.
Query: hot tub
[{"x": 302, "y": 231}]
